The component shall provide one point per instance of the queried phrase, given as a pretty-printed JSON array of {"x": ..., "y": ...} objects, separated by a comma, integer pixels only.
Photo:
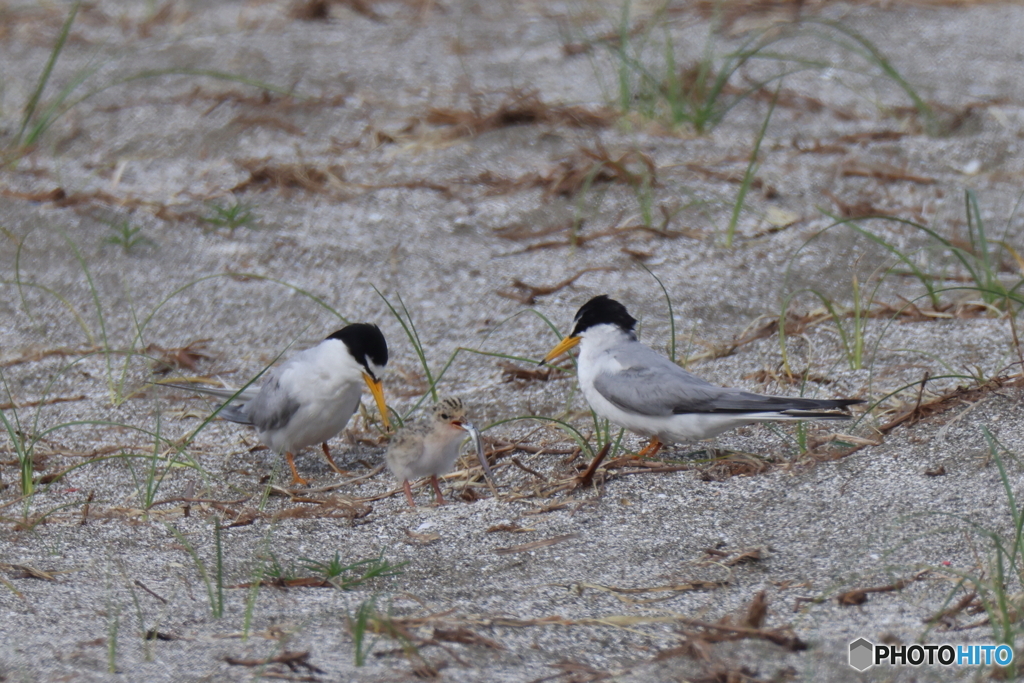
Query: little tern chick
[
  {"x": 309, "y": 398},
  {"x": 629, "y": 384},
  {"x": 431, "y": 446}
]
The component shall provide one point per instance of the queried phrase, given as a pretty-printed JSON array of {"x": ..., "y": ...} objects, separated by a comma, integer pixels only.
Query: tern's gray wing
[
  {"x": 649, "y": 384},
  {"x": 273, "y": 407},
  {"x": 236, "y": 411},
  {"x": 246, "y": 394}
]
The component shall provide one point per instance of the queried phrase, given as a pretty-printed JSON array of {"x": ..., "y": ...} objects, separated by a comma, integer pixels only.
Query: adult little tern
[
  {"x": 644, "y": 392},
  {"x": 309, "y": 398}
]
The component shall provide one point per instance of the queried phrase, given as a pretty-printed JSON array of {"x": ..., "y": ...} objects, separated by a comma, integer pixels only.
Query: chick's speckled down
[{"x": 431, "y": 446}]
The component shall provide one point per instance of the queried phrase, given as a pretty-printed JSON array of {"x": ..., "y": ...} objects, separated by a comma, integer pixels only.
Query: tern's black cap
[
  {"x": 600, "y": 310},
  {"x": 366, "y": 344}
]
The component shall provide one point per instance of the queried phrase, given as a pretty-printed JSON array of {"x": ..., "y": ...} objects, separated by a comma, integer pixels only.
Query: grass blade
[
  {"x": 44, "y": 77},
  {"x": 748, "y": 176},
  {"x": 671, "y": 315}
]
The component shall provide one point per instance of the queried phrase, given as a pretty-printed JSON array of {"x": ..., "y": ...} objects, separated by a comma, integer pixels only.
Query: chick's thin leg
[
  {"x": 408, "y": 493},
  {"x": 437, "y": 489}
]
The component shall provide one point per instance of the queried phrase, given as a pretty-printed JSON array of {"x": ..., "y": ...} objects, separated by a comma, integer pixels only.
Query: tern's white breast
[{"x": 327, "y": 384}]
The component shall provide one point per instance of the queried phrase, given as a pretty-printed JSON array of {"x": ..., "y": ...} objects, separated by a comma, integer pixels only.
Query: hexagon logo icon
[{"x": 861, "y": 654}]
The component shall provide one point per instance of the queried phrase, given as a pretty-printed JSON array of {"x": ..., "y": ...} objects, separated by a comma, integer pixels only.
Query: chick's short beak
[
  {"x": 377, "y": 389},
  {"x": 560, "y": 348}
]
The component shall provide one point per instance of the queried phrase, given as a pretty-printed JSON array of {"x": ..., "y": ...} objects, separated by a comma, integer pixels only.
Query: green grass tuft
[
  {"x": 998, "y": 580},
  {"x": 230, "y": 216},
  {"x": 127, "y": 236},
  {"x": 349, "y": 576},
  {"x": 358, "y": 625}
]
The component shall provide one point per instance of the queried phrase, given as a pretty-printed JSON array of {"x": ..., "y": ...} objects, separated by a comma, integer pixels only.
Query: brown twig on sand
[
  {"x": 578, "y": 672},
  {"x": 511, "y": 372},
  {"x": 463, "y": 635},
  {"x": 293, "y": 660},
  {"x": 734, "y": 177},
  {"x": 757, "y": 611},
  {"x": 946, "y": 616},
  {"x": 313, "y": 178},
  {"x": 85, "y": 508},
  {"x": 500, "y": 446},
  {"x": 310, "y": 10},
  {"x": 859, "y": 596},
  {"x": 146, "y": 588},
  {"x": 520, "y": 107},
  {"x": 39, "y": 354},
  {"x": 168, "y": 359},
  {"x": 524, "y": 468},
  {"x": 751, "y": 628},
  {"x": 587, "y": 477},
  {"x": 859, "y": 209},
  {"x": 534, "y": 545},
  {"x": 719, "y": 632},
  {"x": 581, "y": 240},
  {"x": 46, "y": 402},
  {"x": 27, "y": 571},
  {"x": 528, "y": 295},
  {"x": 948, "y": 401},
  {"x": 882, "y": 172}
]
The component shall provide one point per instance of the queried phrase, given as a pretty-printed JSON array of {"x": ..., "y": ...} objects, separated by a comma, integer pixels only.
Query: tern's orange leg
[
  {"x": 296, "y": 479},
  {"x": 437, "y": 489},
  {"x": 651, "y": 449},
  {"x": 408, "y": 493},
  {"x": 330, "y": 460}
]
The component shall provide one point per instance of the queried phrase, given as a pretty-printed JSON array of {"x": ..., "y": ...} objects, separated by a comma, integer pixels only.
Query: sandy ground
[{"x": 442, "y": 152}]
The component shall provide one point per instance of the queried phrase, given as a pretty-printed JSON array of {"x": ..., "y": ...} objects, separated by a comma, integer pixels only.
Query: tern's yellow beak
[
  {"x": 560, "y": 348},
  {"x": 377, "y": 389}
]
